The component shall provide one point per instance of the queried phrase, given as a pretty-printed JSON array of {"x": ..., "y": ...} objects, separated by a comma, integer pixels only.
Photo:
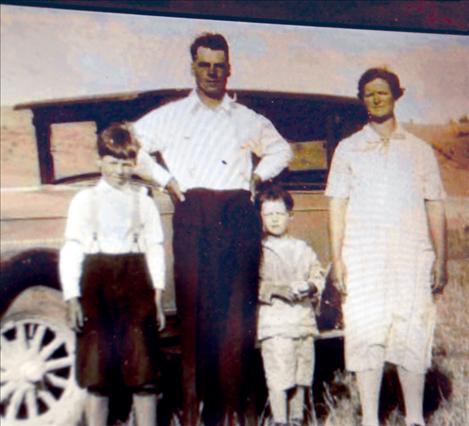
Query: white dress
[{"x": 389, "y": 313}]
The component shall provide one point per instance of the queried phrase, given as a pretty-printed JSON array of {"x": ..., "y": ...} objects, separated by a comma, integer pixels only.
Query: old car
[{"x": 37, "y": 346}]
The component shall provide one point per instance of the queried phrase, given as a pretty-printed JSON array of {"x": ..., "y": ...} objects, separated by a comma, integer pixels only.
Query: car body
[{"x": 37, "y": 345}]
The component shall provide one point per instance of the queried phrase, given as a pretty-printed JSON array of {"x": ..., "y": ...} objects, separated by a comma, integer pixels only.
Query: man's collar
[{"x": 196, "y": 103}]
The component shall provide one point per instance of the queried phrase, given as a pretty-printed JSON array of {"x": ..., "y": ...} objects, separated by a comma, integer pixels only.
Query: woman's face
[{"x": 378, "y": 99}]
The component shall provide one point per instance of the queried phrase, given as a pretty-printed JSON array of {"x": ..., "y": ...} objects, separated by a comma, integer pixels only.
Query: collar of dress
[
  {"x": 374, "y": 140},
  {"x": 373, "y": 137}
]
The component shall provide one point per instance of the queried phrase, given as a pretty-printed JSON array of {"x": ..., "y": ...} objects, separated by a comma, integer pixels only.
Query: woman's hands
[
  {"x": 339, "y": 276},
  {"x": 439, "y": 276}
]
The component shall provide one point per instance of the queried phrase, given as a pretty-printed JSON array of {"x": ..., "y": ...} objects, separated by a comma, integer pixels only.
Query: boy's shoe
[{"x": 295, "y": 422}]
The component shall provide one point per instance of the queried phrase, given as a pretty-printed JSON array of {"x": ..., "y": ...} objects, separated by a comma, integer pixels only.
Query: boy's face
[
  {"x": 115, "y": 171},
  {"x": 275, "y": 217}
]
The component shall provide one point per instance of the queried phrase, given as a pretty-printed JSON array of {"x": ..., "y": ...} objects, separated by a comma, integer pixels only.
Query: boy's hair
[
  {"x": 117, "y": 141},
  {"x": 274, "y": 193},
  {"x": 373, "y": 73},
  {"x": 211, "y": 41}
]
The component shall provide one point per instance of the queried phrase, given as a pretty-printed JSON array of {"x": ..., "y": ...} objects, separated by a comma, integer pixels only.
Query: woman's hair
[
  {"x": 211, "y": 41},
  {"x": 274, "y": 193},
  {"x": 388, "y": 76},
  {"x": 117, "y": 141}
]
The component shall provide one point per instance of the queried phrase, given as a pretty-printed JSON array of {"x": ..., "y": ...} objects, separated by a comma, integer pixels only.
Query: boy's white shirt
[
  {"x": 286, "y": 261},
  {"x": 115, "y": 230}
]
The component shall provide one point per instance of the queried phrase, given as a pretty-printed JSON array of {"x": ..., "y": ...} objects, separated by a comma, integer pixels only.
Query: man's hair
[
  {"x": 274, "y": 193},
  {"x": 373, "y": 73},
  {"x": 117, "y": 141},
  {"x": 211, "y": 41}
]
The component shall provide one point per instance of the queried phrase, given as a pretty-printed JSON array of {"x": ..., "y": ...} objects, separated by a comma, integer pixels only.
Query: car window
[
  {"x": 73, "y": 147},
  {"x": 308, "y": 155}
]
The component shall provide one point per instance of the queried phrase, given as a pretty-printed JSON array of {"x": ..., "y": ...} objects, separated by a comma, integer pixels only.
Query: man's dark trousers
[{"x": 216, "y": 245}]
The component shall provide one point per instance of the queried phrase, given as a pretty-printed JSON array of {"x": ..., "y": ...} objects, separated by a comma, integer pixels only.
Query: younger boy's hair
[
  {"x": 117, "y": 141},
  {"x": 274, "y": 193}
]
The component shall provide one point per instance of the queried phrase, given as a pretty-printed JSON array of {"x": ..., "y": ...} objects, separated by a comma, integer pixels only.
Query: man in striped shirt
[{"x": 207, "y": 140}]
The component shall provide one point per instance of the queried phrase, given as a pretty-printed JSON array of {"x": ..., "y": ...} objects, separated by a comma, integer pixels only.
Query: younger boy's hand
[
  {"x": 75, "y": 316},
  {"x": 286, "y": 293},
  {"x": 301, "y": 289}
]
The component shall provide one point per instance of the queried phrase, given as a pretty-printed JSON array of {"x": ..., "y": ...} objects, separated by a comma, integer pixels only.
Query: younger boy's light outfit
[
  {"x": 286, "y": 330},
  {"x": 113, "y": 260}
]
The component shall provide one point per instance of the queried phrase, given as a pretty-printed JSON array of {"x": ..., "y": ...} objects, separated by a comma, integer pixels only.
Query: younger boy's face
[
  {"x": 115, "y": 171},
  {"x": 275, "y": 217}
]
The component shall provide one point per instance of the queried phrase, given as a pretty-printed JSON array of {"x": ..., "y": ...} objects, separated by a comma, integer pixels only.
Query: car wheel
[{"x": 38, "y": 386}]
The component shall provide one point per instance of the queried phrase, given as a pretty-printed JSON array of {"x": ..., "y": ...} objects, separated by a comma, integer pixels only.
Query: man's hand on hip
[
  {"x": 255, "y": 180},
  {"x": 174, "y": 190}
]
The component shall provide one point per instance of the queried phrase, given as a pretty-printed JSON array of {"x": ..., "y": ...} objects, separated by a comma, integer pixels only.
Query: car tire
[{"x": 38, "y": 386}]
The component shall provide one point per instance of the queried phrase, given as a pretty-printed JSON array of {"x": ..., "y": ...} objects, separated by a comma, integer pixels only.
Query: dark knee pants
[
  {"x": 216, "y": 246},
  {"x": 118, "y": 345}
]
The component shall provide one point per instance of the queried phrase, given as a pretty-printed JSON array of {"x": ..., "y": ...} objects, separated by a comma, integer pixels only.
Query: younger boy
[
  {"x": 112, "y": 275},
  {"x": 291, "y": 276}
]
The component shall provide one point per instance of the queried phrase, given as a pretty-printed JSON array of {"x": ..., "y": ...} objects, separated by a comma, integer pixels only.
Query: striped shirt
[{"x": 210, "y": 148}]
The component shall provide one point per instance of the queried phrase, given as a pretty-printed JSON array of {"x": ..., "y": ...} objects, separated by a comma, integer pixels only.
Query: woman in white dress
[{"x": 388, "y": 235}]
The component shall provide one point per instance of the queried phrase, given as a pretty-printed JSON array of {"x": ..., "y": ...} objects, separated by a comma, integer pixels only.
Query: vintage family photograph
[{"x": 211, "y": 221}]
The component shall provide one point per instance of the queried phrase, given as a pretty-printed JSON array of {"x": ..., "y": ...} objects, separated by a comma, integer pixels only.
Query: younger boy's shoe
[{"x": 296, "y": 422}]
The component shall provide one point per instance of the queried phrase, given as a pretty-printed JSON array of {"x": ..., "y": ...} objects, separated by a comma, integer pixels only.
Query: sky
[{"x": 52, "y": 53}]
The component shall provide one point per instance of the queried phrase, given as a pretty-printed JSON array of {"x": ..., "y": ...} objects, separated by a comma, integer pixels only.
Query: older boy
[
  {"x": 291, "y": 276},
  {"x": 112, "y": 274}
]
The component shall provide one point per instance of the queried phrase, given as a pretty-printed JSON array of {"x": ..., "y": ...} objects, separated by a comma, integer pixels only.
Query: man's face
[
  {"x": 115, "y": 171},
  {"x": 275, "y": 217},
  {"x": 378, "y": 99},
  {"x": 211, "y": 70}
]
